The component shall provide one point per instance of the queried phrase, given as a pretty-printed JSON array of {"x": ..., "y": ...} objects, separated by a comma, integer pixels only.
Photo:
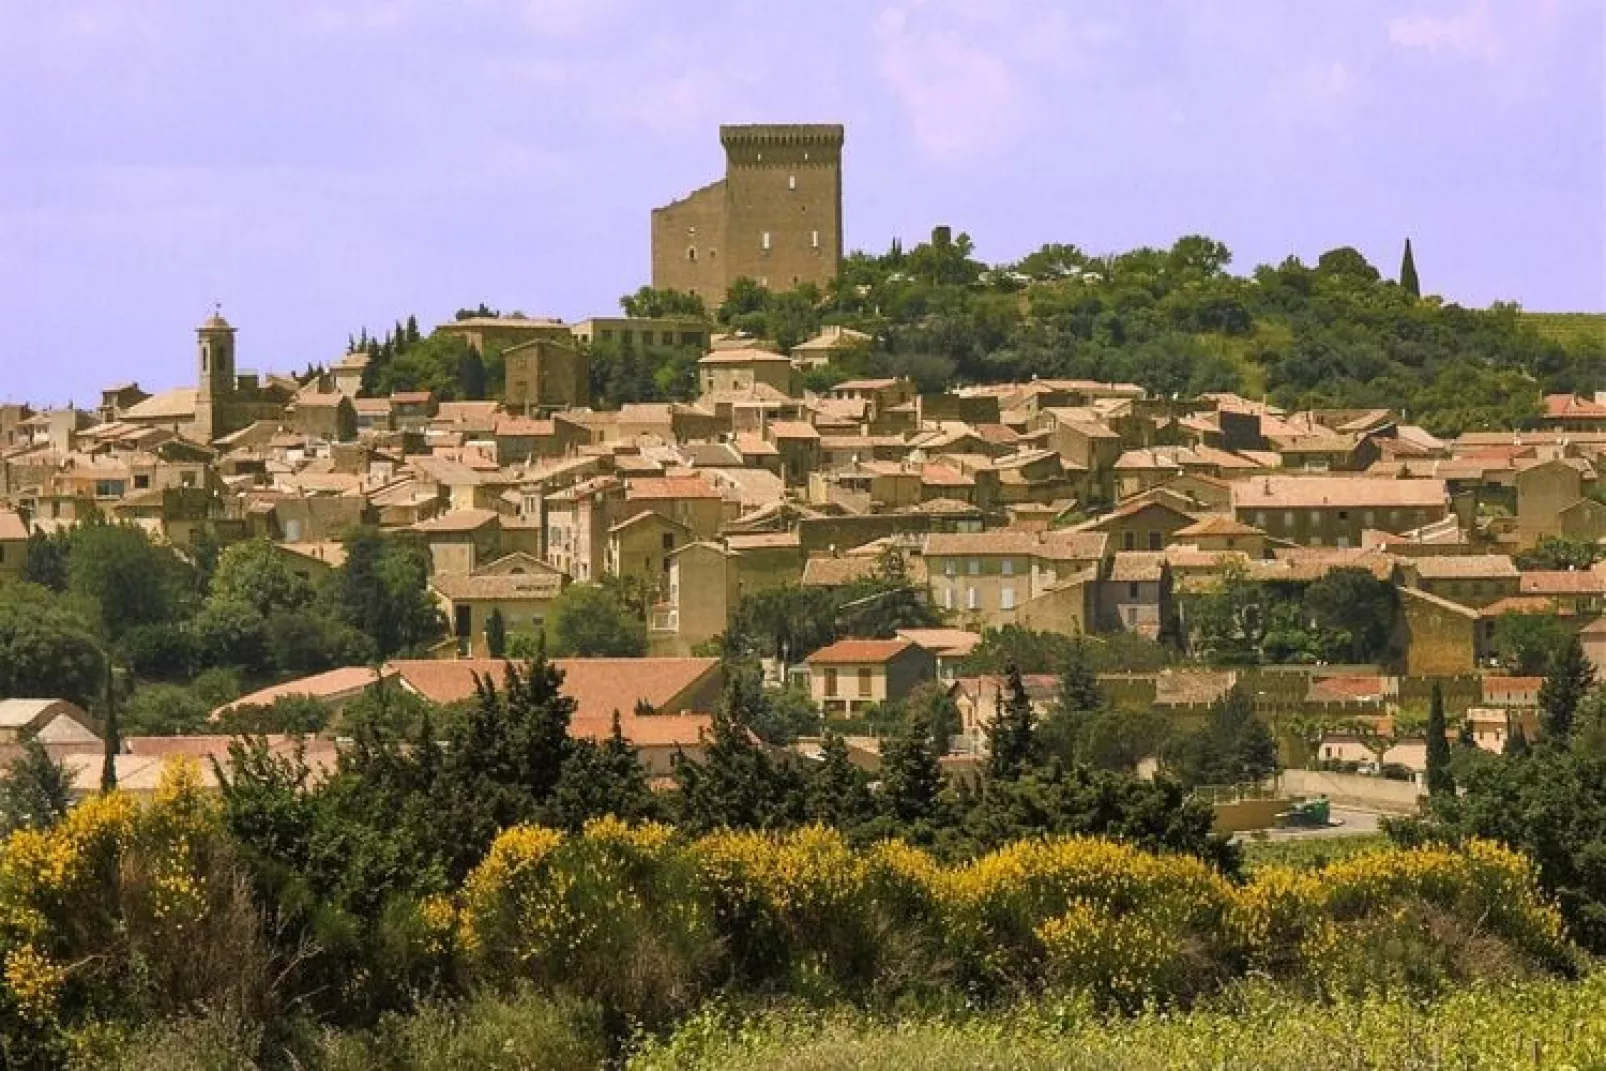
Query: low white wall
[{"x": 1352, "y": 790}]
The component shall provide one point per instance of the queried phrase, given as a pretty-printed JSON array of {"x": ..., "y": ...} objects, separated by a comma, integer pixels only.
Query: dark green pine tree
[
  {"x": 738, "y": 784},
  {"x": 1012, "y": 736},
  {"x": 1441, "y": 782},
  {"x": 1408, "y": 280},
  {"x": 1570, "y": 678},
  {"x": 838, "y": 791},
  {"x": 911, "y": 776},
  {"x": 35, "y": 791}
]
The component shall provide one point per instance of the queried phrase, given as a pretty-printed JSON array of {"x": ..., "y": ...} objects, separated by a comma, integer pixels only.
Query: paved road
[{"x": 1354, "y": 824}]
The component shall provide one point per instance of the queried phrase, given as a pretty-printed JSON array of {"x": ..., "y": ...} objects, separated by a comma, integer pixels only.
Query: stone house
[
  {"x": 518, "y": 586},
  {"x": 1470, "y": 579},
  {"x": 1333, "y": 511},
  {"x": 850, "y": 675},
  {"x": 735, "y": 371}
]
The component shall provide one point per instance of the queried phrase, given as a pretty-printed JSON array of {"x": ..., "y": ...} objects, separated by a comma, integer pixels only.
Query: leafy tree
[
  {"x": 590, "y": 621},
  {"x": 288, "y": 715},
  {"x": 1441, "y": 781},
  {"x": 46, "y": 649},
  {"x": 1408, "y": 280},
  {"x": 36, "y": 790},
  {"x": 884, "y": 602},
  {"x": 496, "y": 634},
  {"x": 1570, "y": 678},
  {"x": 1560, "y": 553},
  {"x": 1516, "y": 740},
  {"x": 655, "y": 303},
  {"x": 1233, "y": 746},
  {"x": 127, "y": 579},
  {"x": 45, "y": 560},
  {"x": 159, "y": 652},
  {"x": 1356, "y": 612},
  {"x": 255, "y": 573},
  {"x": 165, "y": 710},
  {"x": 310, "y": 641},
  {"x": 1012, "y": 733},
  {"x": 1524, "y": 642},
  {"x": 231, "y": 633},
  {"x": 784, "y": 715},
  {"x": 785, "y": 622},
  {"x": 1120, "y": 739},
  {"x": 382, "y": 589}
]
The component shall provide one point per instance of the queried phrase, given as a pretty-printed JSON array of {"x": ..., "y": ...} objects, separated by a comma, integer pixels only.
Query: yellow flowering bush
[
  {"x": 1128, "y": 960},
  {"x": 994, "y": 907},
  {"x": 33, "y": 982},
  {"x": 613, "y": 913}
]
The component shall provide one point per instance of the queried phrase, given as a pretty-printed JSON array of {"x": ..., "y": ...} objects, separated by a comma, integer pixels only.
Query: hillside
[{"x": 1572, "y": 330}]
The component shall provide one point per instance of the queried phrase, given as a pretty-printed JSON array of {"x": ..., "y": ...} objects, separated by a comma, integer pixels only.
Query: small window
[
  {"x": 973, "y": 599},
  {"x": 1008, "y": 567},
  {"x": 764, "y": 241},
  {"x": 864, "y": 682},
  {"x": 947, "y": 598},
  {"x": 1288, "y": 518},
  {"x": 669, "y": 540},
  {"x": 1129, "y": 541},
  {"x": 973, "y": 566},
  {"x": 830, "y": 682},
  {"x": 691, "y": 253},
  {"x": 791, "y": 182},
  {"x": 1007, "y": 599},
  {"x": 814, "y": 239},
  {"x": 1156, "y": 539},
  {"x": 949, "y": 566},
  {"x": 1132, "y": 591}
]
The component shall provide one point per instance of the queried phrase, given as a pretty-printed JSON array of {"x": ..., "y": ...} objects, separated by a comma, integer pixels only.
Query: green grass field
[{"x": 1498, "y": 1028}]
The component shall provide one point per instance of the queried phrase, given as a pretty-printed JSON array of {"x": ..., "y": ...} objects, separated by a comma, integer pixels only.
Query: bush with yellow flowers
[
  {"x": 124, "y": 910},
  {"x": 996, "y": 906},
  {"x": 613, "y": 914}
]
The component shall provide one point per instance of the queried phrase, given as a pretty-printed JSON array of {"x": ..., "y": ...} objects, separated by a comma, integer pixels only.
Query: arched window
[{"x": 691, "y": 252}]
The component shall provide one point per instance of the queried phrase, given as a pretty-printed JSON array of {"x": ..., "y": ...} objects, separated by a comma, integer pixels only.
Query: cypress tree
[
  {"x": 1516, "y": 741},
  {"x": 1569, "y": 680},
  {"x": 911, "y": 776},
  {"x": 1440, "y": 781},
  {"x": 496, "y": 634},
  {"x": 1408, "y": 279},
  {"x": 838, "y": 792},
  {"x": 1012, "y": 737}
]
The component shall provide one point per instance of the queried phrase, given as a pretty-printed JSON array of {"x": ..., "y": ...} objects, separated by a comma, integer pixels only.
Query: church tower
[{"x": 215, "y": 387}]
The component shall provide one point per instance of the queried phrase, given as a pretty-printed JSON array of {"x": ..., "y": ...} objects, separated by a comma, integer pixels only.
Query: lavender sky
[{"x": 318, "y": 166}]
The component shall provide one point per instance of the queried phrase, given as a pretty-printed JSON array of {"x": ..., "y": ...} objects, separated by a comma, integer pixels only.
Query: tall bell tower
[{"x": 216, "y": 383}]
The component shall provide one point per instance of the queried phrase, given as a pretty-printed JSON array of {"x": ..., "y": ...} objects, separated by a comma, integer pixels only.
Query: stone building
[
  {"x": 222, "y": 400},
  {"x": 776, "y": 216}
]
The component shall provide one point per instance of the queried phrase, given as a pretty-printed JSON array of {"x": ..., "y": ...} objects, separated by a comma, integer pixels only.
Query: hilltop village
[{"x": 743, "y": 464}]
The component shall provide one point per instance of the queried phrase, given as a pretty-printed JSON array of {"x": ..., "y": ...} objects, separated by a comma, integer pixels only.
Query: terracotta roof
[
  {"x": 793, "y": 429},
  {"x": 947, "y": 641},
  {"x": 599, "y": 686},
  {"x": 1522, "y": 604},
  {"x": 518, "y": 427},
  {"x": 481, "y": 587},
  {"x": 763, "y": 540},
  {"x": 1306, "y": 492},
  {"x": 1562, "y": 406},
  {"x": 835, "y": 572},
  {"x": 1133, "y": 566},
  {"x": 1463, "y": 566},
  {"x": 1563, "y": 582},
  {"x": 743, "y": 356},
  {"x": 463, "y": 520},
  {"x": 1215, "y": 524},
  {"x": 11, "y": 526},
  {"x": 859, "y": 651},
  {"x": 410, "y": 397},
  {"x": 335, "y": 684},
  {"x": 670, "y": 487},
  {"x": 1054, "y": 545},
  {"x": 168, "y": 405}
]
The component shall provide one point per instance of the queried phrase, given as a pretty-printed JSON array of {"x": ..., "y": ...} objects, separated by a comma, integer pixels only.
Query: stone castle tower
[{"x": 775, "y": 217}]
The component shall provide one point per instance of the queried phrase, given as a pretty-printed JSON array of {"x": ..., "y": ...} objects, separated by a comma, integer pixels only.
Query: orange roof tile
[{"x": 859, "y": 651}]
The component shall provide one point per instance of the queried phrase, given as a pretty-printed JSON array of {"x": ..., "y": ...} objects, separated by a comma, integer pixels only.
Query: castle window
[
  {"x": 764, "y": 241},
  {"x": 791, "y": 182},
  {"x": 691, "y": 254},
  {"x": 814, "y": 239}
]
